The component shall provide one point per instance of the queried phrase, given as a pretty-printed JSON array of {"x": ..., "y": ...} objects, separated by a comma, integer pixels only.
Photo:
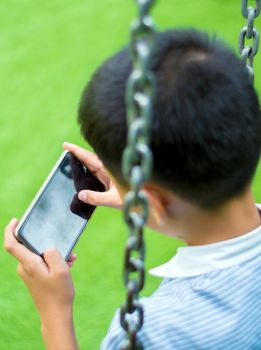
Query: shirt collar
[{"x": 196, "y": 260}]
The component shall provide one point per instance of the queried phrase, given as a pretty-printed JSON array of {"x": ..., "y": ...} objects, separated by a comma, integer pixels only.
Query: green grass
[{"x": 48, "y": 50}]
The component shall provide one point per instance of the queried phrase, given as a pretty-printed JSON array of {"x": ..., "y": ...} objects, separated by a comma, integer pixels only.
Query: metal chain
[
  {"x": 137, "y": 167},
  {"x": 248, "y": 52}
]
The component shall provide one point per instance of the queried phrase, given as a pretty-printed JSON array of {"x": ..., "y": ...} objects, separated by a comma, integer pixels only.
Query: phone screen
[{"x": 58, "y": 217}]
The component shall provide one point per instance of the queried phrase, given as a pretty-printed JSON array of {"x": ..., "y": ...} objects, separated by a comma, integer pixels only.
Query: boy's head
[{"x": 206, "y": 133}]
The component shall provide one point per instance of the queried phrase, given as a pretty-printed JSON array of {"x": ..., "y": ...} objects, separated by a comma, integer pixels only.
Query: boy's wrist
[
  {"x": 56, "y": 318},
  {"x": 58, "y": 331}
]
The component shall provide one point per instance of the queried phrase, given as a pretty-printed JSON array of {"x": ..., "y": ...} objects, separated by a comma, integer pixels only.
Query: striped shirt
[{"x": 210, "y": 298}]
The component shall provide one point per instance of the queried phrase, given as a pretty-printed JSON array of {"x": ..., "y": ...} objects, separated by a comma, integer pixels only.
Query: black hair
[{"x": 206, "y": 133}]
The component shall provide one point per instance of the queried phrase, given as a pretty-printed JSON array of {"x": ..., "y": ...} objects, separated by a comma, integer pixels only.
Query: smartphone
[{"x": 56, "y": 217}]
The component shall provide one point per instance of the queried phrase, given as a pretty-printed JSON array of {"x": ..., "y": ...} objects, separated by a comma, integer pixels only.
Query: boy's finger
[
  {"x": 12, "y": 246},
  {"x": 72, "y": 257},
  {"x": 86, "y": 157},
  {"x": 12, "y": 224},
  {"x": 70, "y": 264},
  {"x": 16, "y": 249},
  {"x": 107, "y": 198},
  {"x": 55, "y": 261},
  {"x": 91, "y": 160}
]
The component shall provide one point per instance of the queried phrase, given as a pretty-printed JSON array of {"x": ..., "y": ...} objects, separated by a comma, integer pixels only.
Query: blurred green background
[{"x": 48, "y": 50}]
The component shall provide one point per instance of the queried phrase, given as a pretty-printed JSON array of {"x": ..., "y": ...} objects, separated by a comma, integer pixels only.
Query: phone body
[{"x": 56, "y": 217}]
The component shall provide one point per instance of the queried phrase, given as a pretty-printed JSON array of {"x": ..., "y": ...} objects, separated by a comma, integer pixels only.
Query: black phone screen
[{"x": 58, "y": 217}]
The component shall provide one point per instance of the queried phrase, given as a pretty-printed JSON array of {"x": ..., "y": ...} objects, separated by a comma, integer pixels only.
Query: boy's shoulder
[{"x": 209, "y": 310}]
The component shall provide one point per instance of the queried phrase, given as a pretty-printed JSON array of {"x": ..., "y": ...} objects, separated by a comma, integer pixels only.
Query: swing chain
[
  {"x": 137, "y": 168},
  {"x": 249, "y": 32}
]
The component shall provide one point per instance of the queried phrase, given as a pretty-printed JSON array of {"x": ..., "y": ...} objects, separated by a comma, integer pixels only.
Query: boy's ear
[{"x": 158, "y": 200}]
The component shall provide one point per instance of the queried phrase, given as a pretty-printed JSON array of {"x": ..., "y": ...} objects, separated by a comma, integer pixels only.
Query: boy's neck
[{"x": 234, "y": 219}]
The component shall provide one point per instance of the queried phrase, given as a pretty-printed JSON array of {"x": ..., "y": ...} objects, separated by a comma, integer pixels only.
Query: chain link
[
  {"x": 137, "y": 167},
  {"x": 248, "y": 52}
]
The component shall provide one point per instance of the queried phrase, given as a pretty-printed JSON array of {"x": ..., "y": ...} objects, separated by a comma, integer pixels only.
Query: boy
[{"x": 206, "y": 146}]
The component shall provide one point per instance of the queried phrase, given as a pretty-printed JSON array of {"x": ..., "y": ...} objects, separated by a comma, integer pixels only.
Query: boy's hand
[
  {"x": 109, "y": 198},
  {"x": 48, "y": 280}
]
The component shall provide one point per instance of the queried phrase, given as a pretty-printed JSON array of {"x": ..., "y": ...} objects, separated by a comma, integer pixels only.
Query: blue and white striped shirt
[{"x": 210, "y": 298}]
